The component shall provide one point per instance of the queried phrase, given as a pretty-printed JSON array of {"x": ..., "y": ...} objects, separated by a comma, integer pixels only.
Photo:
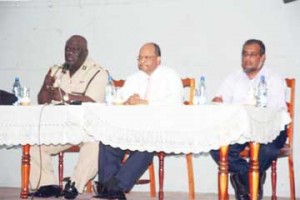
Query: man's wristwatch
[{"x": 66, "y": 98}]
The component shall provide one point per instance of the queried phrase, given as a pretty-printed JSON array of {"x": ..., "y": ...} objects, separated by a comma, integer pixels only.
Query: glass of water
[{"x": 25, "y": 96}]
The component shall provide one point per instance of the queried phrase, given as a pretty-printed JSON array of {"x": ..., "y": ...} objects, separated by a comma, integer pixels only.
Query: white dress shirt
[
  {"x": 163, "y": 87},
  {"x": 239, "y": 89}
]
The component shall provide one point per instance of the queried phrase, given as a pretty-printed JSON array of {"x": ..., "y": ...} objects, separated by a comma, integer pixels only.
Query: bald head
[
  {"x": 149, "y": 58},
  {"x": 79, "y": 39},
  {"x": 155, "y": 47},
  {"x": 76, "y": 51}
]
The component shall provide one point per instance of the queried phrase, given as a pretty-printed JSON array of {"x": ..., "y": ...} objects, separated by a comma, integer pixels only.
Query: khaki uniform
[{"x": 89, "y": 80}]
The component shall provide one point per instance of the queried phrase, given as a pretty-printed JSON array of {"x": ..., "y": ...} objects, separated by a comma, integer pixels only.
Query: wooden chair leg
[
  {"x": 189, "y": 160},
  {"x": 274, "y": 179},
  {"x": 292, "y": 177},
  {"x": 89, "y": 187},
  {"x": 161, "y": 173},
  {"x": 61, "y": 169},
  {"x": 152, "y": 180}
]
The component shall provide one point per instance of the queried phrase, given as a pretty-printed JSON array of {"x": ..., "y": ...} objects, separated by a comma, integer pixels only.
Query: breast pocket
[{"x": 79, "y": 87}]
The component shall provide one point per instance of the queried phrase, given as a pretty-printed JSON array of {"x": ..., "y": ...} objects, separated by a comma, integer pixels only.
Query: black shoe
[
  {"x": 47, "y": 191},
  {"x": 114, "y": 194},
  {"x": 70, "y": 191},
  {"x": 241, "y": 192},
  {"x": 100, "y": 190},
  {"x": 262, "y": 179}
]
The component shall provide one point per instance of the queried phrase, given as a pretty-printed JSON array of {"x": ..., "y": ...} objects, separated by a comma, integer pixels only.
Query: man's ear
[
  {"x": 158, "y": 60},
  {"x": 262, "y": 61},
  {"x": 264, "y": 58}
]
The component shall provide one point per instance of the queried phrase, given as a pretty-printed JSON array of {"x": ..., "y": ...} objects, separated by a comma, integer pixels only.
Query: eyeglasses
[
  {"x": 251, "y": 55},
  {"x": 139, "y": 58}
]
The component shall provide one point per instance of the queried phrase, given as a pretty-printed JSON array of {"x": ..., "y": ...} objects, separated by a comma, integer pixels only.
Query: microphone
[{"x": 66, "y": 67}]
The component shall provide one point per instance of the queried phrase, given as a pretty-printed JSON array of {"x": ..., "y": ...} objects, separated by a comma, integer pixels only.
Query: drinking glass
[
  {"x": 118, "y": 97},
  {"x": 25, "y": 96}
]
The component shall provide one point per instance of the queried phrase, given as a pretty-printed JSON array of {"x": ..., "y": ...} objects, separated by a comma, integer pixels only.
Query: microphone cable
[{"x": 63, "y": 71}]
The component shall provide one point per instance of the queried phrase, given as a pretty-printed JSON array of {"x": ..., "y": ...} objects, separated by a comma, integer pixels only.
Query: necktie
[{"x": 148, "y": 88}]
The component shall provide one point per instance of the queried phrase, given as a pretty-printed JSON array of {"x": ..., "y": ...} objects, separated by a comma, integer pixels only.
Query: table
[{"x": 168, "y": 129}]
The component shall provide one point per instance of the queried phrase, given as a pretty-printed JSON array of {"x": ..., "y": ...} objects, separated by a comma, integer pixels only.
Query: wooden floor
[{"x": 14, "y": 193}]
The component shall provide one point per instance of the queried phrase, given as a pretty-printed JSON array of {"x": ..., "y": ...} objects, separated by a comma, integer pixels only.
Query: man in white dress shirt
[
  {"x": 153, "y": 84},
  {"x": 239, "y": 88}
]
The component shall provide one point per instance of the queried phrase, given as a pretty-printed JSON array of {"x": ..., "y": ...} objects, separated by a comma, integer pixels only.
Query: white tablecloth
[
  {"x": 42, "y": 125},
  {"x": 178, "y": 129}
]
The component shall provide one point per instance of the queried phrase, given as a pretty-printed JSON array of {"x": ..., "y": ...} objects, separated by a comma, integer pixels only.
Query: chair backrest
[
  {"x": 189, "y": 83},
  {"x": 291, "y": 84},
  {"x": 119, "y": 83}
]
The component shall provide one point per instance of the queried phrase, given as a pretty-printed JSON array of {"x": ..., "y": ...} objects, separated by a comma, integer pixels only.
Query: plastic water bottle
[
  {"x": 201, "y": 91},
  {"x": 262, "y": 92},
  {"x": 17, "y": 90},
  {"x": 109, "y": 91}
]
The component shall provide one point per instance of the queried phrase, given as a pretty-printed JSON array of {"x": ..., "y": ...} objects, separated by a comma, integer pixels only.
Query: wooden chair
[
  {"x": 190, "y": 83},
  {"x": 287, "y": 150},
  {"x": 187, "y": 83}
]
